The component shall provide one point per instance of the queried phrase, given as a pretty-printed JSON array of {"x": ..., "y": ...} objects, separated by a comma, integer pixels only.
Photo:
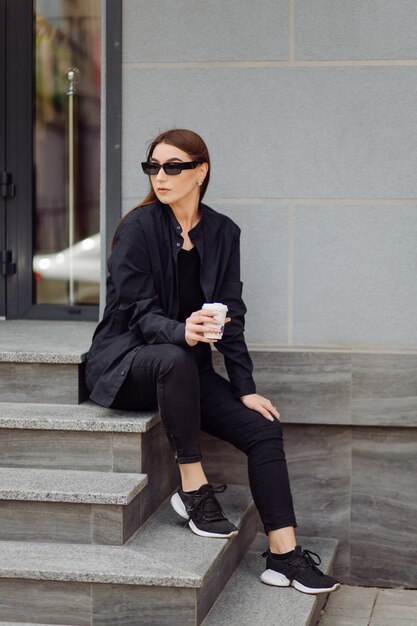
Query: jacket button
[
  {"x": 178, "y": 244},
  {"x": 178, "y": 227},
  {"x": 122, "y": 373}
]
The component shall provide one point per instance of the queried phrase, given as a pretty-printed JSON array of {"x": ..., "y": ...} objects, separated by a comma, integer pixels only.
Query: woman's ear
[{"x": 204, "y": 168}]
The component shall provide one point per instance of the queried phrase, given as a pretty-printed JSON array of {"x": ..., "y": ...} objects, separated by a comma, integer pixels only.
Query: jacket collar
[{"x": 195, "y": 234}]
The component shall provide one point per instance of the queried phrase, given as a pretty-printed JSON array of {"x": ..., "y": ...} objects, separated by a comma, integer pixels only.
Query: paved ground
[{"x": 369, "y": 606}]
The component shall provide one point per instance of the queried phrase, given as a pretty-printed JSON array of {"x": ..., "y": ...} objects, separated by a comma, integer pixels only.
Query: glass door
[
  {"x": 52, "y": 104},
  {"x": 67, "y": 71}
]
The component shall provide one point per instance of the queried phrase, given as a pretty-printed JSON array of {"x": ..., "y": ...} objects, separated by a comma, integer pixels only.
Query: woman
[{"x": 169, "y": 255}]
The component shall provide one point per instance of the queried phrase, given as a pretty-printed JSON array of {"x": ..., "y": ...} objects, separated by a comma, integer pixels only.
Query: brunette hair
[{"x": 185, "y": 140}]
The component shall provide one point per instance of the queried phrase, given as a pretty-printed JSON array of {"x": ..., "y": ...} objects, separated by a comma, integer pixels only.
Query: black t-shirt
[{"x": 191, "y": 296}]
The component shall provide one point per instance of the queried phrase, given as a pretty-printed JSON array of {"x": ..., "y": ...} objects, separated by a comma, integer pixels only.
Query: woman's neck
[{"x": 187, "y": 215}]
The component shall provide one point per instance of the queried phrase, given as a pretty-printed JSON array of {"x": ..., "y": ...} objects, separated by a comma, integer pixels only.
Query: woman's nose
[{"x": 161, "y": 174}]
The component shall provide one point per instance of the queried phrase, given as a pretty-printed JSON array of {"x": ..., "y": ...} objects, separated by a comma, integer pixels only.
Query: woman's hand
[
  {"x": 262, "y": 405},
  {"x": 198, "y": 323}
]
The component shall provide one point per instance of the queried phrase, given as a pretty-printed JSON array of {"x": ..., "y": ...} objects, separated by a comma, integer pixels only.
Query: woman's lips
[{"x": 162, "y": 189}]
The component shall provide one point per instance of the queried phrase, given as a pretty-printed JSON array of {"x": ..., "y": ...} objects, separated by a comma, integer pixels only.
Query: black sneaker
[
  {"x": 202, "y": 509},
  {"x": 299, "y": 570}
]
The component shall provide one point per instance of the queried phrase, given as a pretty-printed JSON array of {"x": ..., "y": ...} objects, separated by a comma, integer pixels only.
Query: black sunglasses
[{"x": 171, "y": 169}]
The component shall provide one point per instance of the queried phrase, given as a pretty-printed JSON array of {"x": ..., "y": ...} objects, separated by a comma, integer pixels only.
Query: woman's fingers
[
  {"x": 262, "y": 405},
  {"x": 199, "y": 323},
  {"x": 273, "y": 410},
  {"x": 268, "y": 410},
  {"x": 265, "y": 413}
]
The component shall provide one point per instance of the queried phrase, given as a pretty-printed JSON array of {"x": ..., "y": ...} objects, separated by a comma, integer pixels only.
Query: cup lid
[{"x": 215, "y": 305}]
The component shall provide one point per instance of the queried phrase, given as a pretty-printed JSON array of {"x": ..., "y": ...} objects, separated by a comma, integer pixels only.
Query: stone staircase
[{"x": 87, "y": 534}]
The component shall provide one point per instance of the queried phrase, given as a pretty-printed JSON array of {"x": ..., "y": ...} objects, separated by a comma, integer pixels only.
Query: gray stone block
[
  {"x": 234, "y": 31},
  {"x": 375, "y": 29},
  {"x": 332, "y": 620},
  {"x": 384, "y": 389},
  {"x": 50, "y": 449},
  {"x": 45, "y": 341},
  {"x": 70, "y": 506},
  {"x": 87, "y": 416},
  {"x": 303, "y": 117},
  {"x": 69, "y": 486},
  {"x": 348, "y": 596},
  {"x": 384, "y": 507},
  {"x": 86, "y": 436},
  {"x": 40, "y": 382},
  {"x": 45, "y": 601},
  {"x": 158, "y": 463},
  {"x": 127, "y": 605},
  {"x": 306, "y": 386}
]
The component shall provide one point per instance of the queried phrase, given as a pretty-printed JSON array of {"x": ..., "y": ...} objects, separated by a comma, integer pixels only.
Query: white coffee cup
[{"x": 219, "y": 317}]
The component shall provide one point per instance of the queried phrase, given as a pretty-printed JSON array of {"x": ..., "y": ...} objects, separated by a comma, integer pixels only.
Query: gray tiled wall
[
  {"x": 281, "y": 132},
  {"x": 307, "y": 109},
  {"x": 200, "y": 31},
  {"x": 375, "y": 29}
]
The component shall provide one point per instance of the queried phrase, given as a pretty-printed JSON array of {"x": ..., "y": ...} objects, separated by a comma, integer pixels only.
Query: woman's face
[{"x": 171, "y": 189}]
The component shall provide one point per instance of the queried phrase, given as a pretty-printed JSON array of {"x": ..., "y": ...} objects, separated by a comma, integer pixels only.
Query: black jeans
[{"x": 192, "y": 397}]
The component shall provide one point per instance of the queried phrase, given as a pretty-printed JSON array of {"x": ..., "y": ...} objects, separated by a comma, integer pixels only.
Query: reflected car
[{"x": 84, "y": 256}]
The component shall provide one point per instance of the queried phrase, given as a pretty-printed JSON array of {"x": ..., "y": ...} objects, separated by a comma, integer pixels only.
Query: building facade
[{"x": 309, "y": 111}]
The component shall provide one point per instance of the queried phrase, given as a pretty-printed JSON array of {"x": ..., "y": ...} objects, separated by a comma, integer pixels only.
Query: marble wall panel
[
  {"x": 384, "y": 507},
  {"x": 126, "y": 605},
  {"x": 311, "y": 387},
  {"x": 236, "y": 30},
  {"x": 69, "y": 522},
  {"x": 158, "y": 462},
  {"x": 107, "y": 524},
  {"x": 384, "y": 389},
  {"x": 49, "y": 383},
  {"x": 127, "y": 452},
  {"x": 48, "y": 602},
  {"x": 319, "y": 466},
  {"x": 133, "y": 514},
  {"x": 45, "y": 521},
  {"x": 55, "y": 449}
]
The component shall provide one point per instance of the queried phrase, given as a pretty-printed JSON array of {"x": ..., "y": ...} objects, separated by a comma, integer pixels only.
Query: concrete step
[
  {"x": 43, "y": 360},
  {"x": 165, "y": 575},
  {"x": 89, "y": 437},
  {"x": 70, "y": 505},
  {"x": 246, "y": 601},
  {"x": 85, "y": 436}
]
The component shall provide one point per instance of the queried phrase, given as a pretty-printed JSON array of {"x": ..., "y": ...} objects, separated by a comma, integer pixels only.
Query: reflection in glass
[{"x": 67, "y": 34}]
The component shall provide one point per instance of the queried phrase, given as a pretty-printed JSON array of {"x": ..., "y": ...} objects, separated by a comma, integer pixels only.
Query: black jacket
[{"x": 142, "y": 296}]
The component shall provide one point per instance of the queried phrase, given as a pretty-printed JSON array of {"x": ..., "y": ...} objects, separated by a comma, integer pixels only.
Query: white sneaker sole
[
  {"x": 271, "y": 577},
  {"x": 178, "y": 506}
]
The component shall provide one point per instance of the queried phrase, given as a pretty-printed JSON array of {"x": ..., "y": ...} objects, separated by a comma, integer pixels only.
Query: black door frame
[
  {"x": 2, "y": 150},
  {"x": 16, "y": 213}
]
